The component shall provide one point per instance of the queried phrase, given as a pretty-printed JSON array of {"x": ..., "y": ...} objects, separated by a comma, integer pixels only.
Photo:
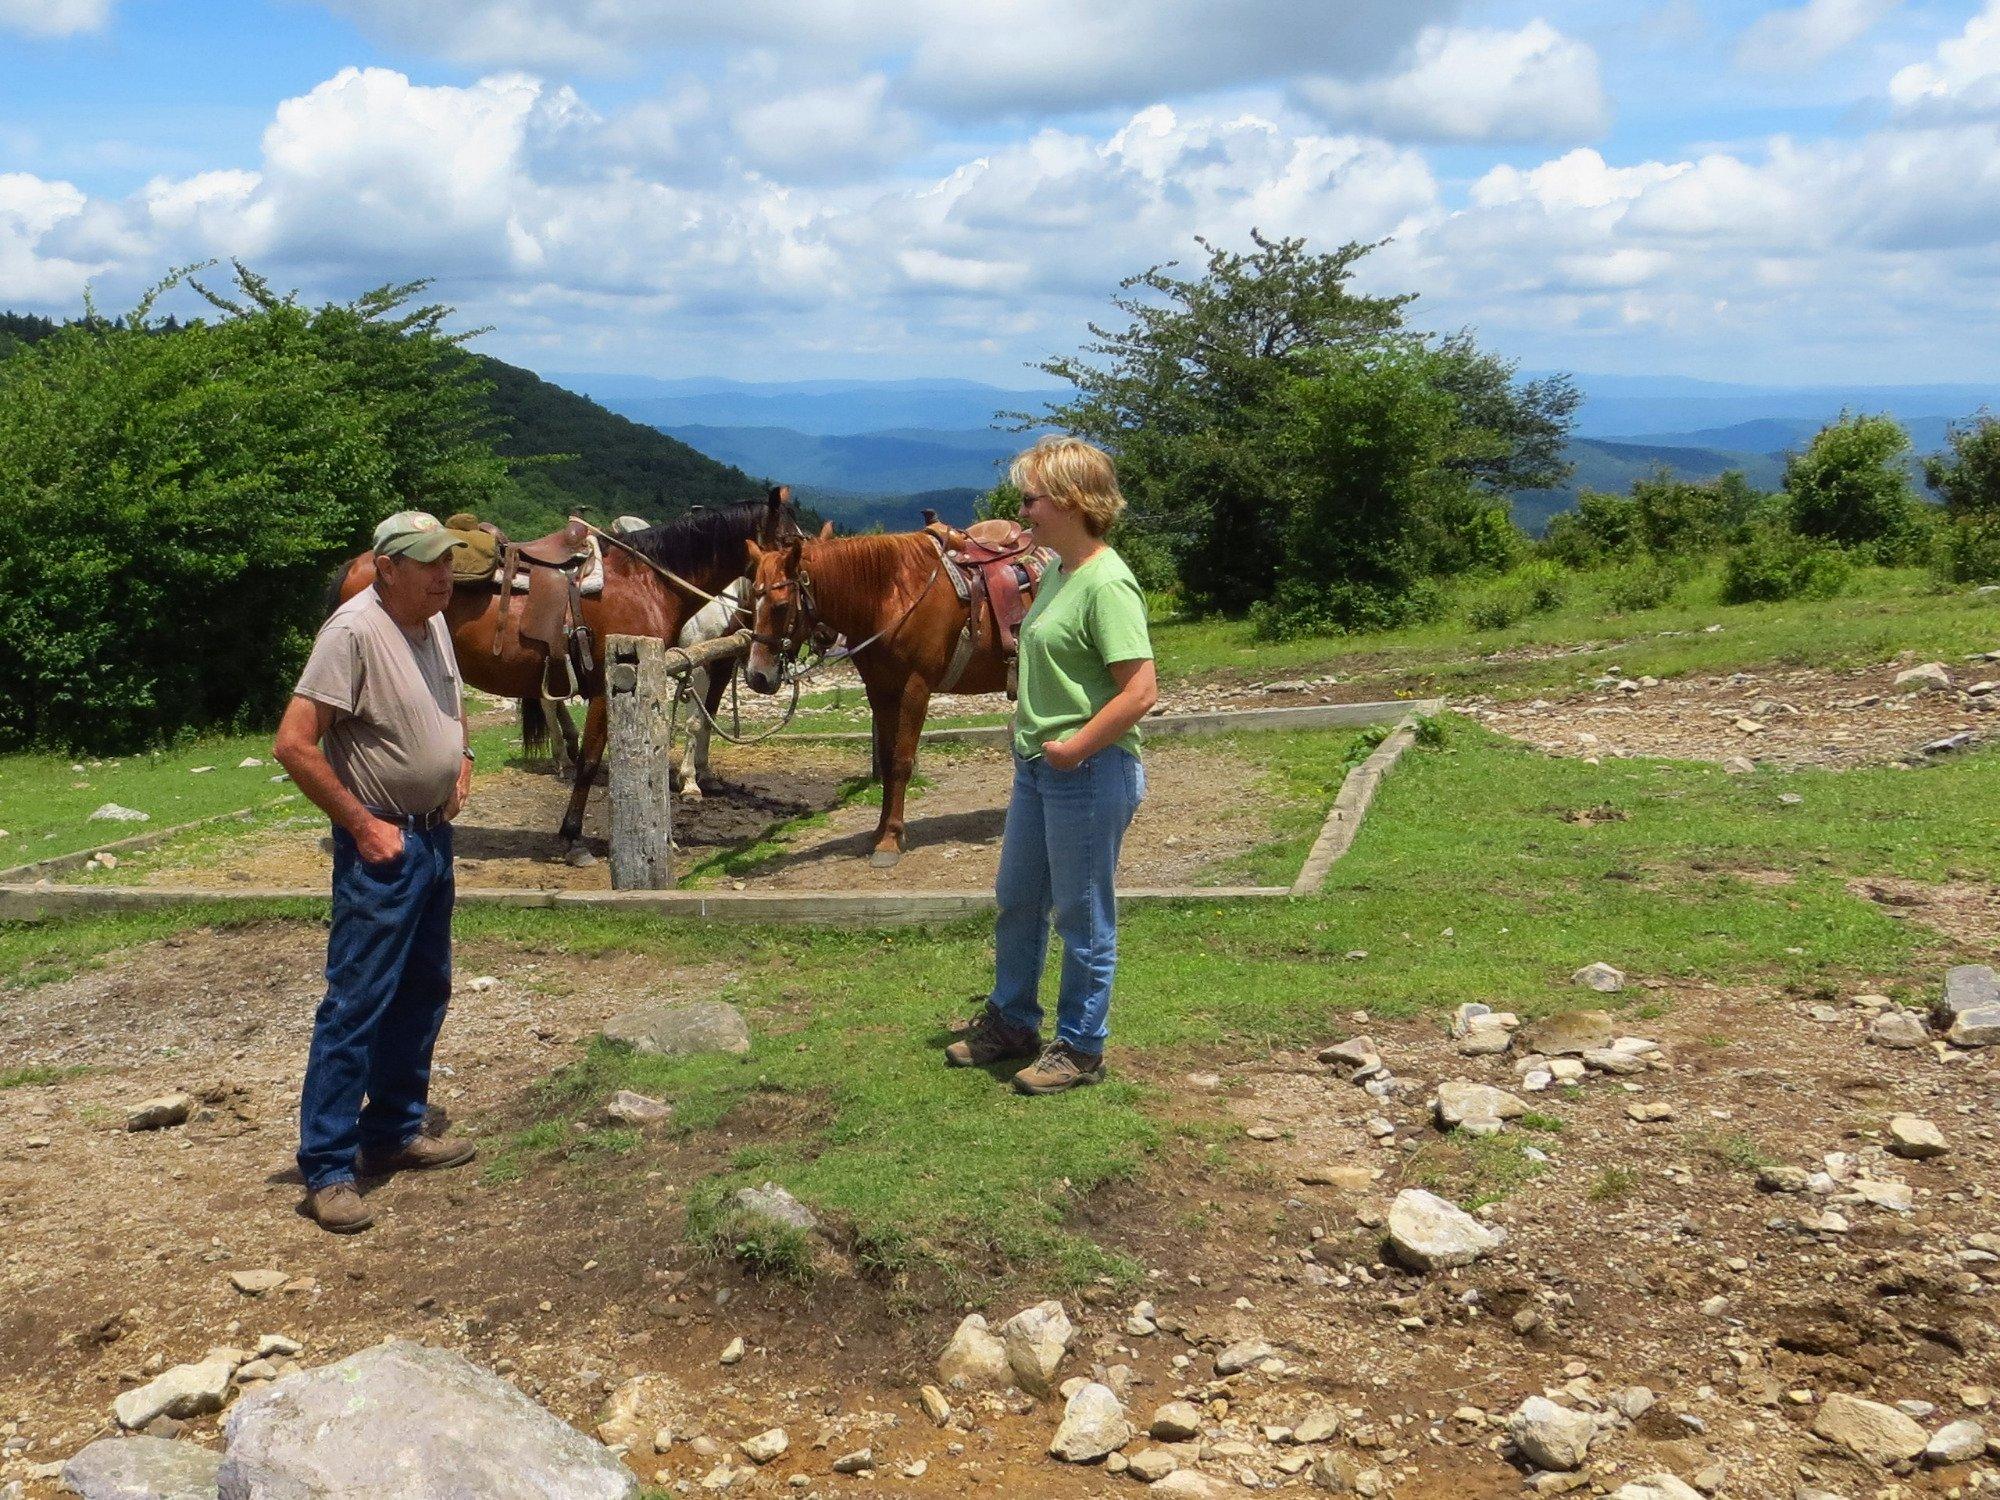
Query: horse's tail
[
  {"x": 534, "y": 726},
  {"x": 330, "y": 600}
]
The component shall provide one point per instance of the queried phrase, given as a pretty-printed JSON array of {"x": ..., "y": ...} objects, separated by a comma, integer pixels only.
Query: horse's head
[
  {"x": 781, "y": 604},
  {"x": 781, "y": 518}
]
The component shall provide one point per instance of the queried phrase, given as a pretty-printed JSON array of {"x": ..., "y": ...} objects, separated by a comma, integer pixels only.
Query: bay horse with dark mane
[
  {"x": 707, "y": 548},
  {"x": 892, "y": 594}
]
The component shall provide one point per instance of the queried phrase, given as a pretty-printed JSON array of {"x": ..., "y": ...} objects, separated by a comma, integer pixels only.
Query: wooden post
[{"x": 641, "y": 773}]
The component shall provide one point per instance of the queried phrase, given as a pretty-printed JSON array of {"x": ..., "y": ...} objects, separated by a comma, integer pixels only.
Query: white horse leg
[{"x": 688, "y": 770}]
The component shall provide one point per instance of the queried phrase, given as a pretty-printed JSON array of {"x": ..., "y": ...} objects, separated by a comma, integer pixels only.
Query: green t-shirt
[{"x": 1078, "y": 625}]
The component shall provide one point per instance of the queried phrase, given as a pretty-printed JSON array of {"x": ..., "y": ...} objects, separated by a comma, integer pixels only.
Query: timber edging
[
  {"x": 1167, "y": 726},
  {"x": 1350, "y": 806}
]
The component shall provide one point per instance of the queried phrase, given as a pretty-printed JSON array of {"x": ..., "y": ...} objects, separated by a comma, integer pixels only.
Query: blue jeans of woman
[
  {"x": 388, "y": 980},
  {"x": 1059, "y": 859}
]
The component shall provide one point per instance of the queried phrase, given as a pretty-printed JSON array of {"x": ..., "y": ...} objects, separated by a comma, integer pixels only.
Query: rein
[{"x": 808, "y": 622}]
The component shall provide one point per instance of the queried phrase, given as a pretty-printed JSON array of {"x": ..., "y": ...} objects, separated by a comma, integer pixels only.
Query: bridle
[{"x": 801, "y": 622}]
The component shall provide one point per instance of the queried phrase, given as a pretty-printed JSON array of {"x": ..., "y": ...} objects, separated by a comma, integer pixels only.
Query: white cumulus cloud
[
  {"x": 1964, "y": 76},
  {"x": 1468, "y": 84},
  {"x": 54, "y": 18},
  {"x": 1802, "y": 37}
]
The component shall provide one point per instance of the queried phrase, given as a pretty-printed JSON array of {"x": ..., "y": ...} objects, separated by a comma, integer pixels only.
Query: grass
[
  {"x": 1300, "y": 772},
  {"x": 1611, "y": 1184},
  {"x": 35, "y": 1077}
]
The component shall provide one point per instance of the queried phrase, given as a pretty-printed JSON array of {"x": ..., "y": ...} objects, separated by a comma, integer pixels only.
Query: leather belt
[{"x": 421, "y": 822}]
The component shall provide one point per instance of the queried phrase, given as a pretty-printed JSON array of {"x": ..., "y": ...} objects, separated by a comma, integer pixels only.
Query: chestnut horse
[
  {"x": 892, "y": 595},
  {"x": 707, "y": 548}
]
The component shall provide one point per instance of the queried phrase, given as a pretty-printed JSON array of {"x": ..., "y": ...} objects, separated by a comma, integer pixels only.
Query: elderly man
[{"x": 381, "y": 694}]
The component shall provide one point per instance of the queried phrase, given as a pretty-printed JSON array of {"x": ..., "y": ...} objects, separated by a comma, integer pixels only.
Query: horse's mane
[
  {"x": 702, "y": 540},
  {"x": 871, "y": 565}
]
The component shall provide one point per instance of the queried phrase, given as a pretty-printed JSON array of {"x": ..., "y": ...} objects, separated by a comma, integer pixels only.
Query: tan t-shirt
[{"x": 396, "y": 742}]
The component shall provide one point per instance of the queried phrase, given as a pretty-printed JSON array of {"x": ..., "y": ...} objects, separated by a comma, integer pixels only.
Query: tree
[
  {"x": 174, "y": 499},
  {"x": 1187, "y": 392},
  {"x": 1850, "y": 485},
  {"x": 1967, "y": 476}
]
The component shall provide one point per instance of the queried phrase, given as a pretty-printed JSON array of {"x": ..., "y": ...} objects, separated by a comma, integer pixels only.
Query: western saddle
[
  {"x": 549, "y": 571},
  {"x": 995, "y": 567}
]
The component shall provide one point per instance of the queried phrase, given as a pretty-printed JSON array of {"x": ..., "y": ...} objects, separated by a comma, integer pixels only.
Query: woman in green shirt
[{"x": 1086, "y": 680}]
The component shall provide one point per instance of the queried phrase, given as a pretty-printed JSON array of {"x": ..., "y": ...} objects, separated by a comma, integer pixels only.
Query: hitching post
[{"x": 643, "y": 674}]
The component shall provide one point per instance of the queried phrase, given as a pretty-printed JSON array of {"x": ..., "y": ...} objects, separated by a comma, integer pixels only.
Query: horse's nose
[{"x": 758, "y": 675}]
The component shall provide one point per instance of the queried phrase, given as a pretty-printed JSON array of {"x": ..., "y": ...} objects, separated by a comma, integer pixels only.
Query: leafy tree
[
  {"x": 1664, "y": 515},
  {"x": 1967, "y": 476},
  {"x": 1850, "y": 486},
  {"x": 173, "y": 499},
  {"x": 1187, "y": 392}
]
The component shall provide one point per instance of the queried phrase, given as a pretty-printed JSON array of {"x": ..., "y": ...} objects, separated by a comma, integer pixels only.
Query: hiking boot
[
  {"x": 338, "y": 1209},
  {"x": 1060, "y": 1067},
  {"x": 987, "y": 1039},
  {"x": 422, "y": 1153}
]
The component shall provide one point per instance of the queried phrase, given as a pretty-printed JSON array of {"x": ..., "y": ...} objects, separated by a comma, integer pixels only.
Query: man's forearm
[{"x": 312, "y": 774}]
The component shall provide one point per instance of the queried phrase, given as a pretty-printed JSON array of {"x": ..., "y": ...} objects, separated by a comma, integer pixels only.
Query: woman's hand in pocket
[{"x": 1061, "y": 755}]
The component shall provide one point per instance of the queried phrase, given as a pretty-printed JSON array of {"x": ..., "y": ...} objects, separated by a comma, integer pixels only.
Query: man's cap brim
[{"x": 421, "y": 546}]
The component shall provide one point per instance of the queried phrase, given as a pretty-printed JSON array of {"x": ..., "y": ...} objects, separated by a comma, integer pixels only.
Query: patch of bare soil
[
  {"x": 1203, "y": 806},
  {"x": 1968, "y": 913},
  {"x": 1781, "y": 718},
  {"x": 1641, "y": 1254}
]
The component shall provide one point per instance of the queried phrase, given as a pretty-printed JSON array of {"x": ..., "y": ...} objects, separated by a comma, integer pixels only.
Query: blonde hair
[{"x": 1076, "y": 475}]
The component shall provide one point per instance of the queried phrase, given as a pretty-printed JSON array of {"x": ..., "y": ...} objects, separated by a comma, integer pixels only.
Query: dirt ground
[
  {"x": 1788, "y": 718},
  {"x": 1203, "y": 806},
  {"x": 117, "y": 1245}
]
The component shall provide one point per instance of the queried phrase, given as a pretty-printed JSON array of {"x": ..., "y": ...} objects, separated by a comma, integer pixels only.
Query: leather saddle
[
  {"x": 552, "y": 609},
  {"x": 994, "y": 566}
]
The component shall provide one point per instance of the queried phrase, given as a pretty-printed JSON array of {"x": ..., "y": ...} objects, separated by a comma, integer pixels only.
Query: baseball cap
[{"x": 415, "y": 534}]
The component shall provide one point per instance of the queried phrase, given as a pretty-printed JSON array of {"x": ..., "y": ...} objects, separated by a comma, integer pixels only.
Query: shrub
[
  {"x": 1967, "y": 550},
  {"x": 1774, "y": 564},
  {"x": 1967, "y": 475},
  {"x": 1533, "y": 589},
  {"x": 1300, "y": 609},
  {"x": 1850, "y": 486},
  {"x": 1646, "y": 582}
]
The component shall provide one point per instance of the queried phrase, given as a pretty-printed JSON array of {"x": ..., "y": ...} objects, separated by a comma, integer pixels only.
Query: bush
[
  {"x": 1531, "y": 590},
  {"x": 1967, "y": 550},
  {"x": 1301, "y": 609},
  {"x": 1849, "y": 486},
  {"x": 1774, "y": 564},
  {"x": 1646, "y": 582},
  {"x": 1967, "y": 475}
]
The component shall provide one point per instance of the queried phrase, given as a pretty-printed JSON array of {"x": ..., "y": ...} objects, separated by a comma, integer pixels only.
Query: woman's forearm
[{"x": 1111, "y": 723}]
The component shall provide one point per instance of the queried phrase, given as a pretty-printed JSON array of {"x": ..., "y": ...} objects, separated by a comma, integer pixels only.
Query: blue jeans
[
  {"x": 388, "y": 979},
  {"x": 1059, "y": 858}
]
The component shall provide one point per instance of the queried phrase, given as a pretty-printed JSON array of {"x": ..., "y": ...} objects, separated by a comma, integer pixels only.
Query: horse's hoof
[
  {"x": 883, "y": 859},
  {"x": 690, "y": 793}
]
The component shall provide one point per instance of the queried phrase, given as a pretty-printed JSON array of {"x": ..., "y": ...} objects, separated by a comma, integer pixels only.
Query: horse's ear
[
  {"x": 826, "y": 531},
  {"x": 793, "y": 552},
  {"x": 755, "y": 554}
]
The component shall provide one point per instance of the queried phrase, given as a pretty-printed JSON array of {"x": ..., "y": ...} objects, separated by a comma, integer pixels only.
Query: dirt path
[{"x": 117, "y": 1245}]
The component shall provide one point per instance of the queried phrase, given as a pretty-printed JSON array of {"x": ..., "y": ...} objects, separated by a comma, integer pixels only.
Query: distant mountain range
[{"x": 862, "y": 450}]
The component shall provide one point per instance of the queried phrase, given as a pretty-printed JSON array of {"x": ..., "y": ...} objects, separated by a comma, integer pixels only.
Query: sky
[{"x": 793, "y": 189}]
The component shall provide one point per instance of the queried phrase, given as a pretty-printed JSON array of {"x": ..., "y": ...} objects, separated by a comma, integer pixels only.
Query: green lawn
[{"x": 1465, "y": 884}]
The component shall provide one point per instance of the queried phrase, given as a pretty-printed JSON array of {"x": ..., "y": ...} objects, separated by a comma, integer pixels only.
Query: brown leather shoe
[
  {"x": 1060, "y": 1067},
  {"x": 988, "y": 1039},
  {"x": 338, "y": 1209},
  {"x": 422, "y": 1153}
]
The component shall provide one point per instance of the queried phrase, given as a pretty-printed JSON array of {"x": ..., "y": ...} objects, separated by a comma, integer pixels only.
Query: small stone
[
  {"x": 1979, "y": 1027},
  {"x": 1264, "y": 1133},
  {"x": 935, "y": 1406},
  {"x": 1356, "y": 1053},
  {"x": 765, "y": 1446},
  {"x": 1459, "y": 1102},
  {"x": 1894, "y": 1196},
  {"x": 974, "y": 1359},
  {"x": 1427, "y": 1233},
  {"x": 1551, "y": 1436},
  {"x": 1956, "y": 1443},
  {"x": 1869, "y": 1430},
  {"x": 1600, "y": 977},
  {"x": 1737, "y": 765},
  {"x": 1916, "y": 1138},
  {"x": 1317, "y": 1426},
  {"x": 580, "y": 858},
  {"x": 1176, "y": 1422},
  {"x": 142, "y": 1468},
  {"x": 1931, "y": 677},
  {"x": 1650, "y": 1112},
  {"x": 257, "y": 1283},
  {"x": 1571, "y": 1033},
  {"x": 855, "y": 1462},
  {"x": 1242, "y": 1355},
  {"x": 1093, "y": 1424},
  {"x": 1898, "y": 1029},
  {"x": 1191, "y": 1484},
  {"x": 159, "y": 1113},
  {"x": 111, "y": 812},
  {"x": 628, "y": 1108},
  {"x": 1036, "y": 1339},
  {"x": 1149, "y": 1464},
  {"x": 733, "y": 1353},
  {"x": 190, "y": 1390},
  {"x": 277, "y": 1343},
  {"x": 1656, "y": 1487},
  {"x": 769, "y": 1206}
]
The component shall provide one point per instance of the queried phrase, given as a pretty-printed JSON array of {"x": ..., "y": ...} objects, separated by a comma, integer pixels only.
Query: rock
[
  {"x": 1914, "y": 1137},
  {"x": 1317, "y": 1426},
  {"x": 1956, "y": 1443},
  {"x": 256, "y": 1283},
  {"x": 1872, "y": 1432},
  {"x": 1894, "y": 1196},
  {"x": 1650, "y": 1113},
  {"x": 190, "y": 1390},
  {"x": 1192, "y": 1484},
  {"x": 410, "y": 1421},
  {"x": 111, "y": 812},
  {"x": 732, "y": 1353},
  {"x": 1966, "y": 987},
  {"x": 1244, "y": 1354},
  {"x": 1931, "y": 677},
  {"x": 1357, "y": 1053},
  {"x": 765, "y": 1446},
  {"x": 1782, "y": 1179},
  {"x": 1036, "y": 1339},
  {"x": 935, "y": 1406},
  {"x": 1458, "y": 1102},
  {"x": 1979, "y": 1027},
  {"x": 1551, "y": 1436},
  {"x": 628, "y": 1108},
  {"x": 1176, "y": 1422},
  {"x": 975, "y": 1359},
  {"x": 1571, "y": 1033},
  {"x": 277, "y": 1343},
  {"x": 771, "y": 1207},
  {"x": 483, "y": 983},
  {"x": 681, "y": 1027},
  {"x": 638, "y": 1407},
  {"x": 855, "y": 1462},
  {"x": 1739, "y": 765},
  {"x": 1600, "y": 977},
  {"x": 1149, "y": 1464},
  {"x": 142, "y": 1468},
  {"x": 1347, "y": 1179},
  {"x": 1427, "y": 1233},
  {"x": 1611, "y": 1060},
  {"x": 1898, "y": 1029},
  {"x": 1656, "y": 1487},
  {"x": 1486, "y": 1039},
  {"x": 1950, "y": 744},
  {"x": 1093, "y": 1424},
  {"x": 159, "y": 1113}
]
